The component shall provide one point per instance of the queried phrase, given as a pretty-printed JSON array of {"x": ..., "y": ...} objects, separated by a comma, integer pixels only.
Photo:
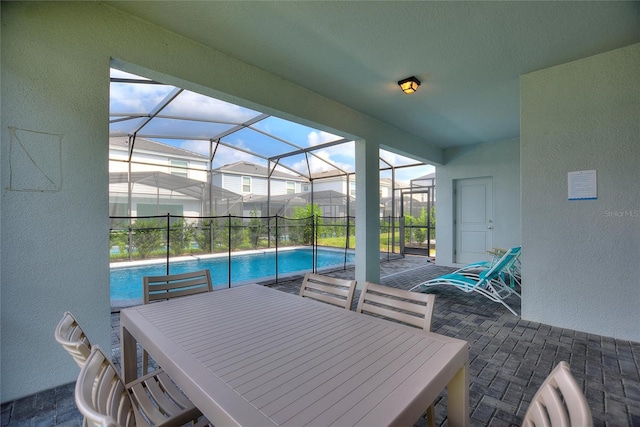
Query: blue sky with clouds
[{"x": 191, "y": 119}]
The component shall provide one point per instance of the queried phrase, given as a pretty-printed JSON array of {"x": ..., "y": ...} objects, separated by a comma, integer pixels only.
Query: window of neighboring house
[
  {"x": 246, "y": 184},
  {"x": 352, "y": 189},
  {"x": 179, "y": 167},
  {"x": 147, "y": 209},
  {"x": 118, "y": 209},
  {"x": 306, "y": 188},
  {"x": 291, "y": 187}
]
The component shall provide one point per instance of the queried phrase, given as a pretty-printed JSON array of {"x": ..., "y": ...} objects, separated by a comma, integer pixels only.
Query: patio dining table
[{"x": 255, "y": 356}]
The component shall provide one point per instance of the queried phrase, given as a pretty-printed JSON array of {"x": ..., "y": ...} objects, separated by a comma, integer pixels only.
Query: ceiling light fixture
[{"x": 409, "y": 85}]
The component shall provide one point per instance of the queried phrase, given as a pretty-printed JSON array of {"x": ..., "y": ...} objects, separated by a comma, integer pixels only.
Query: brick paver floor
[{"x": 509, "y": 359}]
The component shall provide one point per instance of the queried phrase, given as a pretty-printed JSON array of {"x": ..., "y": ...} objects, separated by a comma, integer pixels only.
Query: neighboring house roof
[
  {"x": 323, "y": 196},
  {"x": 248, "y": 168},
  {"x": 330, "y": 175},
  {"x": 388, "y": 183},
  {"x": 282, "y": 201},
  {"x": 187, "y": 186},
  {"x": 431, "y": 175},
  {"x": 156, "y": 147}
]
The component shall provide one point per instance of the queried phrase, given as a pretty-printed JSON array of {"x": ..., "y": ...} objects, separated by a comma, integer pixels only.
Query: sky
[{"x": 190, "y": 120}]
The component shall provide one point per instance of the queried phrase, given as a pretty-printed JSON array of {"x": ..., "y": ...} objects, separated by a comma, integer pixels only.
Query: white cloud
[
  {"x": 139, "y": 98},
  {"x": 407, "y": 174},
  {"x": 191, "y": 104},
  {"x": 317, "y": 165},
  {"x": 346, "y": 151},
  {"x": 200, "y": 147},
  {"x": 233, "y": 156},
  {"x": 320, "y": 137},
  {"x": 397, "y": 159},
  {"x": 135, "y": 98}
]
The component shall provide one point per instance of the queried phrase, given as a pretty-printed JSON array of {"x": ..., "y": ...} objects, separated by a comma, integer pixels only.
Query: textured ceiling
[{"x": 468, "y": 55}]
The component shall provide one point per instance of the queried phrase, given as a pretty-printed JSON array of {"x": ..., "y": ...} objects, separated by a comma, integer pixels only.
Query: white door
[{"x": 474, "y": 223}]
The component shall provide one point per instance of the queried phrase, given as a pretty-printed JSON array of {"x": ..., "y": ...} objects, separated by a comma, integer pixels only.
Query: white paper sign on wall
[{"x": 583, "y": 185}]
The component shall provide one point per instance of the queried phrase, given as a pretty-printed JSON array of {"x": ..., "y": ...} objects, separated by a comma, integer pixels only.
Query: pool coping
[{"x": 144, "y": 262}]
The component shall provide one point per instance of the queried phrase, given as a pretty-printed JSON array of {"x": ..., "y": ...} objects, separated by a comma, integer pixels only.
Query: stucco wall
[
  {"x": 54, "y": 239},
  {"x": 499, "y": 160},
  {"x": 580, "y": 262},
  {"x": 54, "y": 198}
]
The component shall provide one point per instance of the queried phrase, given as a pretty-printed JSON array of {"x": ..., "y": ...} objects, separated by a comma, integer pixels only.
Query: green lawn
[{"x": 340, "y": 242}]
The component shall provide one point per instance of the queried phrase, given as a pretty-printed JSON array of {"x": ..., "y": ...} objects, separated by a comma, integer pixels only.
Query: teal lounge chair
[
  {"x": 510, "y": 272},
  {"x": 488, "y": 282}
]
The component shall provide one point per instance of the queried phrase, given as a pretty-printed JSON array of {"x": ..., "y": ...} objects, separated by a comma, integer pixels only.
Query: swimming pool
[{"x": 126, "y": 282}]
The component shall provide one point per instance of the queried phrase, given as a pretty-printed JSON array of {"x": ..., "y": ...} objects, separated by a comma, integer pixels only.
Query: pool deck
[{"x": 509, "y": 359}]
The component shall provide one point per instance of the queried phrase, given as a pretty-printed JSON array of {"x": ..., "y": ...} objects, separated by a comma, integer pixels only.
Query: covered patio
[
  {"x": 572, "y": 108},
  {"x": 509, "y": 359}
]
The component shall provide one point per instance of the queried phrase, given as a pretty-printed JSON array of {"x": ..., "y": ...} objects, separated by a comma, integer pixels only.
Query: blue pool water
[{"x": 126, "y": 282}]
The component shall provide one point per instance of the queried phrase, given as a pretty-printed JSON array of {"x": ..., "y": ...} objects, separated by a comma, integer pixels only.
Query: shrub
[
  {"x": 255, "y": 229},
  {"x": 147, "y": 236},
  {"x": 180, "y": 234}
]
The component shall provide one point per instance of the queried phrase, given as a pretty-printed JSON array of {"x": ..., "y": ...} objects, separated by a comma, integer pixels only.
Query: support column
[{"x": 367, "y": 212}]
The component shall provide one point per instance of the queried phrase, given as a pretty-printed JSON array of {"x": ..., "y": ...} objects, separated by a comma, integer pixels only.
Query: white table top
[{"x": 256, "y": 356}]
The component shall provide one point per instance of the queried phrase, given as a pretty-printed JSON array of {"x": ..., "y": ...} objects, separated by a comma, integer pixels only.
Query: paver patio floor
[{"x": 509, "y": 359}]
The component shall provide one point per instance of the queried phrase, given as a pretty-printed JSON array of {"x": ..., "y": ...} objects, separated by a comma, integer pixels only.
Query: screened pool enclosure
[{"x": 190, "y": 174}]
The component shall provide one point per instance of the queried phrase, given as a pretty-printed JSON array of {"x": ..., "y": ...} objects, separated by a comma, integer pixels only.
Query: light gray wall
[
  {"x": 54, "y": 239},
  {"x": 54, "y": 196},
  {"x": 499, "y": 160},
  {"x": 233, "y": 183},
  {"x": 580, "y": 260},
  {"x": 258, "y": 185}
]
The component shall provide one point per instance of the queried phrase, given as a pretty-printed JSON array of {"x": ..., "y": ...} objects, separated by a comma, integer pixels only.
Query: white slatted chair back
[
  {"x": 72, "y": 338},
  {"x": 559, "y": 402},
  {"x": 157, "y": 288},
  {"x": 100, "y": 394},
  {"x": 412, "y": 308},
  {"x": 328, "y": 289}
]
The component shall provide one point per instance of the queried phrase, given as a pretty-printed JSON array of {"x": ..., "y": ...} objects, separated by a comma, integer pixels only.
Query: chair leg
[
  {"x": 430, "y": 416},
  {"x": 145, "y": 362}
]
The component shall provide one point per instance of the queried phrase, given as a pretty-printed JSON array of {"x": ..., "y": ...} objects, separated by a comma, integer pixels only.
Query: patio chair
[
  {"x": 510, "y": 271},
  {"x": 328, "y": 289},
  {"x": 513, "y": 270},
  {"x": 496, "y": 254},
  {"x": 155, "y": 389},
  {"x": 104, "y": 400},
  {"x": 559, "y": 402},
  {"x": 159, "y": 288},
  {"x": 411, "y": 308},
  {"x": 72, "y": 338},
  {"x": 489, "y": 282}
]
